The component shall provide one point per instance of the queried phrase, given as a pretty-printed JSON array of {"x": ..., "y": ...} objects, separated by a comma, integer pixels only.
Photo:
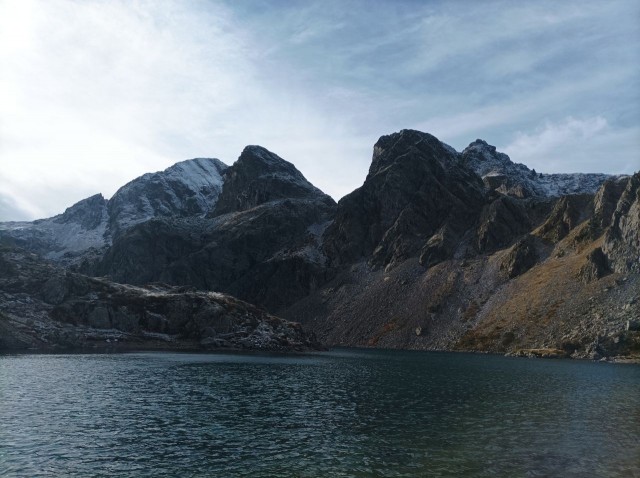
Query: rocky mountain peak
[
  {"x": 88, "y": 213},
  {"x": 416, "y": 186},
  {"x": 256, "y": 162},
  {"x": 484, "y": 158},
  {"x": 501, "y": 174},
  {"x": 260, "y": 176},
  {"x": 188, "y": 188},
  {"x": 481, "y": 143},
  {"x": 399, "y": 146},
  {"x": 66, "y": 236}
]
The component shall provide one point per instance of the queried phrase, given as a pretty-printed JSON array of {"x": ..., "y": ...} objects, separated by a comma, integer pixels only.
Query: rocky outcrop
[
  {"x": 499, "y": 173},
  {"x": 521, "y": 257},
  {"x": 45, "y": 307},
  {"x": 606, "y": 200},
  {"x": 502, "y": 220},
  {"x": 622, "y": 239},
  {"x": 595, "y": 266},
  {"x": 260, "y": 176},
  {"x": 568, "y": 212},
  {"x": 415, "y": 187}
]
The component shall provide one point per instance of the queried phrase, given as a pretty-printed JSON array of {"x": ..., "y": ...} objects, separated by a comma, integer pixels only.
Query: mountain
[
  {"x": 260, "y": 176},
  {"x": 86, "y": 229},
  {"x": 438, "y": 249},
  {"x": 473, "y": 269},
  {"x": 259, "y": 242},
  {"x": 42, "y": 306},
  {"x": 80, "y": 230},
  {"x": 501, "y": 174},
  {"x": 416, "y": 197},
  {"x": 186, "y": 189}
]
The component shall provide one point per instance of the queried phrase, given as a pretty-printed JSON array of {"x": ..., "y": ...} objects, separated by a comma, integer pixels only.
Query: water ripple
[{"x": 346, "y": 413}]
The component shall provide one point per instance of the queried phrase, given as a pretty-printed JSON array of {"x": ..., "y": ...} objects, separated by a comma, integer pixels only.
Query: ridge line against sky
[{"x": 95, "y": 93}]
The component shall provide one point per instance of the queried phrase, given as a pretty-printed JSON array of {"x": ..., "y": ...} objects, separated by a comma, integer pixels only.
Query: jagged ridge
[
  {"x": 498, "y": 263},
  {"x": 501, "y": 174}
]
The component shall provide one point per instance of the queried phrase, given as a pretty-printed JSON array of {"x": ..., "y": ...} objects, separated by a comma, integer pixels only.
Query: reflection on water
[{"x": 343, "y": 413}]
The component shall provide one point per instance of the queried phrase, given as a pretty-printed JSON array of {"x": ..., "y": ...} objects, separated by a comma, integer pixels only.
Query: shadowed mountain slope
[{"x": 436, "y": 250}]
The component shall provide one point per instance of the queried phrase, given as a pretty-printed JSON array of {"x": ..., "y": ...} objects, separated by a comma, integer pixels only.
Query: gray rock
[
  {"x": 96, "y": 310},
  {"x": 633, "y": 325},
  {"x": 513, "y": 179},
  {"x": 622, "y": 238},
  {"x": 596, "y": 266},
  {"x": 522, "y": 257},
  {"x": 54, "y": 290},
  {"x": 156, "y": 322},
  {"x": 99, "y": 318},
  {"x": 260, "y": 176},
  {"x": 415, "y": 187}
]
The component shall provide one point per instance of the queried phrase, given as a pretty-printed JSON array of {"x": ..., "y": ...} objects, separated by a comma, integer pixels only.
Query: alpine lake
[{"x": 342, "y": 413}]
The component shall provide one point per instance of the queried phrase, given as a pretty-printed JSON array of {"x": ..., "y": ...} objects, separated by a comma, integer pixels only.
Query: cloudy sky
[{"x": 95, "y": 93}]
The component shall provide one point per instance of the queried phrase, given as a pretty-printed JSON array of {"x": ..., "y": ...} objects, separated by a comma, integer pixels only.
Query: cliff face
[
  {"x": 416, "y": 200},
  {"x": 260, "y": 242},
  {"x": 564, "y": 285},
  {"x": 45, "y": 307},
  {"x": 622, "y": 238},
  {"x": 436, "y": 250}
]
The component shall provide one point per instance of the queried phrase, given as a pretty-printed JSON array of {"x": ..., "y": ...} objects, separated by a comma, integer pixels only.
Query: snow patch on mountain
[
  {"x": 502, "y": 174},
  {"x": 63, "y": 237},
  {"x": 188, "y": 188}
]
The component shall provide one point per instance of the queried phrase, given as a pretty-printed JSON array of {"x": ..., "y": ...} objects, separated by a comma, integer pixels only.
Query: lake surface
[{"x": 342, "y": 413}]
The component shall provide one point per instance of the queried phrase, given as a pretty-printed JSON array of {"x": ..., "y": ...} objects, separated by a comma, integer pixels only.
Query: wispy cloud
[
  {"x": 92, "y": 91},
  {"x": 576, "y": 145},
  {"x": 95, "y": 93},
  {"x": 10, "y": 210}
]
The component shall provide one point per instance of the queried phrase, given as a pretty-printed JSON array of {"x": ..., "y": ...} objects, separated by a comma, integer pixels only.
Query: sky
[{"x": 94, "y": 93}]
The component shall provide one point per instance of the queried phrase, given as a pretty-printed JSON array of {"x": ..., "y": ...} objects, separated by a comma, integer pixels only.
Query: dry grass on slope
[{"x": 550, "y": 307}]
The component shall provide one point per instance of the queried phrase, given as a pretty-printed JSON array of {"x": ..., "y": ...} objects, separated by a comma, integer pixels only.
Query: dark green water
[{"x": 342, "y": 413}]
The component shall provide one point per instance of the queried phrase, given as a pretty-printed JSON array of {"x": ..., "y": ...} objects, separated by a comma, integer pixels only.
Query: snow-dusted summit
[
  {"x": 81, "y": 227},
  {"x": 500, "y": 173},
  {"x": 207, "y": 188},
  {"x": 188, "y": 188}
]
